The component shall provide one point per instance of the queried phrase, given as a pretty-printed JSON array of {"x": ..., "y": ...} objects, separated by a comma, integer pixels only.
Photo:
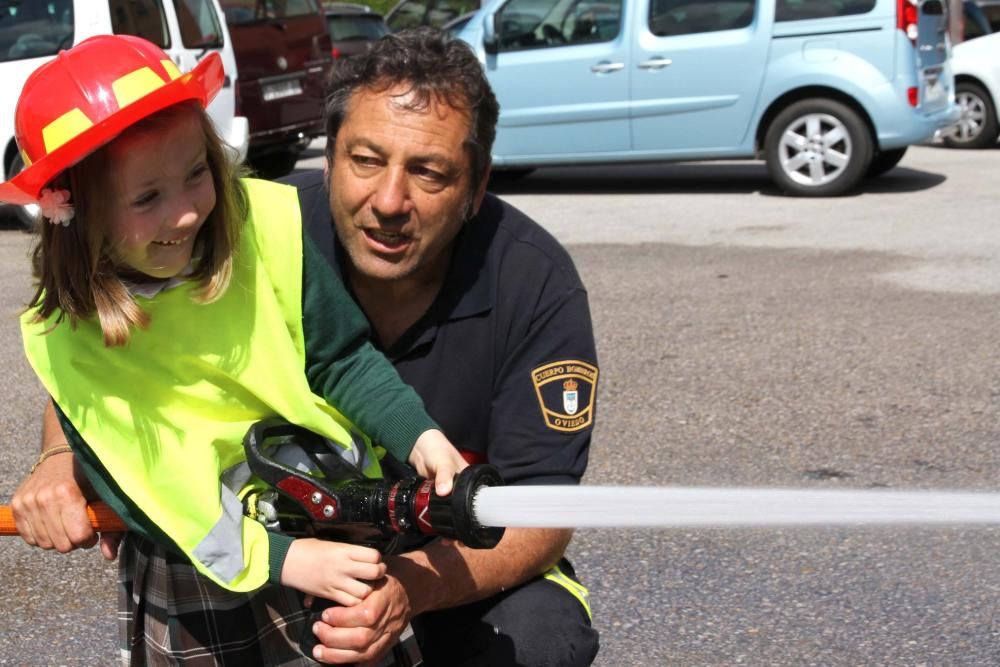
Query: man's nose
[{"x": 392, "y": 198}]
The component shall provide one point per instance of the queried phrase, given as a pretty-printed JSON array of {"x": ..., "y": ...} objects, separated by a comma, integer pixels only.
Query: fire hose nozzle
[
  {"x": 453, "y": 516},
  {"x": 341, "y": 503}
]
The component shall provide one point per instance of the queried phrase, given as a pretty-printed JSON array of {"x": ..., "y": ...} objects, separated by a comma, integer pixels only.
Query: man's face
[{"x": 400, "y": 185}]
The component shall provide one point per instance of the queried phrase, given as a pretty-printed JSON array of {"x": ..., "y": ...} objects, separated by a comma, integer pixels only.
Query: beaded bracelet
[{"x": 62, "y": 449}]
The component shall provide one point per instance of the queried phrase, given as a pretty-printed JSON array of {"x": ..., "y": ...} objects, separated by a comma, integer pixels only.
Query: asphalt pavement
[{"x": 745, "y": 339}]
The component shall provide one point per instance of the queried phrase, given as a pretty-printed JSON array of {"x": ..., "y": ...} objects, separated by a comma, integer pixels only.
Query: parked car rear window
[
  {"x": 798, "y": 10},
  {"x": 412, "y": 13},
  {"x": 142, "y": 18},
  {"x": 248, "y": 11},
  {"x": 34, "y": 29},
  {"x": 356, "y": 26},
  {"x": 685, "y": 17},
  {"x": 199, "y": 24}
]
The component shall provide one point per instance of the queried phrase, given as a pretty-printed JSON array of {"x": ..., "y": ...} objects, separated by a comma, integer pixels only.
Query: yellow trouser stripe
[{"x": 556, "y": 576}]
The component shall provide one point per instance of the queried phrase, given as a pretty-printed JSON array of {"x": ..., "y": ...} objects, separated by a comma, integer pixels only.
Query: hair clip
[{"x": 56, "y": 207}]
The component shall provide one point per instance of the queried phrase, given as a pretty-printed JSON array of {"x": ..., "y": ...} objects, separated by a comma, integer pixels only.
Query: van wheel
[
  {"x": 885, "y": 160},
  {"x": 274, "y": 165},
  {"x": 817, "y": 148},
  {"x": 25, "y": 216},
  {"x": 977, "y": 128}
]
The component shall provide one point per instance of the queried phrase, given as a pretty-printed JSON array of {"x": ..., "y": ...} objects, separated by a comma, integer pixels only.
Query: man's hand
[
  {"x": 363, "y": 633},
  {"x": 434, "y": 457}
]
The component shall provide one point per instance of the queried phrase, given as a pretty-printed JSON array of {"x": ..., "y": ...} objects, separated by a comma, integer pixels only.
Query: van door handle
[
  {"x": 606, "y": 68},
  {"x": 658, "y": 62}
]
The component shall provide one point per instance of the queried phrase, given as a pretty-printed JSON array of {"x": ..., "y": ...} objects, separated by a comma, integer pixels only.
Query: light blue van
[{"x": 825, "y": 91}]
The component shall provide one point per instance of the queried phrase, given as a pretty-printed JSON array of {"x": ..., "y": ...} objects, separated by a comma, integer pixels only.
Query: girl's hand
[
  {"x": 436, "y": 458},
  {"x": 332, "y": 570}
]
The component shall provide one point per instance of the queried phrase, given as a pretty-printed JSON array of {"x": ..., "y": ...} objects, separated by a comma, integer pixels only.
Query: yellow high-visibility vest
[{"x": 166, "y": 413}]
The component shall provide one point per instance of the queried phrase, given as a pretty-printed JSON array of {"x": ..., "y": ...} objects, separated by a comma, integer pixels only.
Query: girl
[{"x": 177, "y": 305}]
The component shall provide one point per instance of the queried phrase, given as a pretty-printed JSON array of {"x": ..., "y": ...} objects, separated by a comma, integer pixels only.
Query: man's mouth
[{"x": 387, "y": 239}]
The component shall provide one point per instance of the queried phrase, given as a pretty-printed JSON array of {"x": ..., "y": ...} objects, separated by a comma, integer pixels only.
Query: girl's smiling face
[{"x": 164, "y": 194}]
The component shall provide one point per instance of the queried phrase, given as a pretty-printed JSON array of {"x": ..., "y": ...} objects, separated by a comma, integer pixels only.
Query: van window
[
  {"x": 413, "y": 13},
  {"x": 534, "y": 24},
  {"x": 248, "y": 11},
  {"x": 34, "y": 29},
  {"x": 797, "y": 10},
  {"x": 141, "y": 18},
  {"x": 685, "y": 17},
  {"x": 199, "y": 24}
]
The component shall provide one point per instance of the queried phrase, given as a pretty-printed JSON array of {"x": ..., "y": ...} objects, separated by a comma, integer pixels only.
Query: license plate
[
  {"x": 276, "y": 91},
  {"x": 934, "y": 88}
]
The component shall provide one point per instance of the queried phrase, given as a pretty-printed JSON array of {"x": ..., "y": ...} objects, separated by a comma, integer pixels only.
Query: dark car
[
  {"x": 283, "y": 55},
  {"x": 352, "y": 27}
]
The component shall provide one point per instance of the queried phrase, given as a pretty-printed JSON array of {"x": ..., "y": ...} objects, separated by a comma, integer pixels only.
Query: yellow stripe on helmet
[
  {"x": 136, "y": 85},
  {"x": 171, "y": 69},
  {"x": 67, "y": 126}
]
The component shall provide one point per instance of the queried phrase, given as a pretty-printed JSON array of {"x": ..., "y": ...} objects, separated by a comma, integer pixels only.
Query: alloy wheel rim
[
  {"x": 815, "y": 149},
  {"x": 970, "y": 124}
]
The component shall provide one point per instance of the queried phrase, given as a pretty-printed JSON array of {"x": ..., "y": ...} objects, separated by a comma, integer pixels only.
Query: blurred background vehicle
[
  {"x": 827, "y": 92},
  {"x": 284, "y": 55},
  {"x": 352, "y": 27},
  {"x": 991, "y": 10},
  {"x": 976, "y": 65},
  {"x": 33, "y": 31},
  {"x": 436, "y": 13},
  {"x": 975, "y": 22}
]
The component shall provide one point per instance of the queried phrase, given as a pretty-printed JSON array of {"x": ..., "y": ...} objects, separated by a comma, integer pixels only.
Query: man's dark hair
[{"x": 434, "y": 66}]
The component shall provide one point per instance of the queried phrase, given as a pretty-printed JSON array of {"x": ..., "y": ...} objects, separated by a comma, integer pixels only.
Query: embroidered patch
[{"x": 566, "y": 394}]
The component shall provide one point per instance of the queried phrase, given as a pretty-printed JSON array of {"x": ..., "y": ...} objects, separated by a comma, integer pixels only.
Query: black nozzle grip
[{"x": 453, "y": 516}]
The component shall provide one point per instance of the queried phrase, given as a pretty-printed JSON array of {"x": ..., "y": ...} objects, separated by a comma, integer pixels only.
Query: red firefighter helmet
[{"x": 86, "y": 96}]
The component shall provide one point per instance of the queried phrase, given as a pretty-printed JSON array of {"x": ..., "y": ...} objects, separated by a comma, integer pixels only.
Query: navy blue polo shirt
[{"x": 504, "y": 358}]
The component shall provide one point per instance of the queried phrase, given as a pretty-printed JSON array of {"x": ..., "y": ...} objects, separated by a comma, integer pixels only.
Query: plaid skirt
[{"x": 169, "y": 614}]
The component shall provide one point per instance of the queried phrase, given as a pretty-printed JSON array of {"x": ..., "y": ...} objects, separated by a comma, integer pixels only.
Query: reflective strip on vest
[
  {"x": 215, "y": 552},
  {"x": 558, "y": 577}
]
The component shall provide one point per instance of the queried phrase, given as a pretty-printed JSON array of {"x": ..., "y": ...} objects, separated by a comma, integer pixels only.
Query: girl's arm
[{"x": 344, "y": 367}]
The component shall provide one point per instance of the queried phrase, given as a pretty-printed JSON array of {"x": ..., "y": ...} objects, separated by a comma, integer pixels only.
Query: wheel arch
[
  {"x": 972, "y": 78},
  {"x": 803, "y": 93}
]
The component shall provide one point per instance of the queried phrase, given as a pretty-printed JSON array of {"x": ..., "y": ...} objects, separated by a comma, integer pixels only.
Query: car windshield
[
  {"x": 355, "y": 26},
  {"x": 34, "y": 28}
]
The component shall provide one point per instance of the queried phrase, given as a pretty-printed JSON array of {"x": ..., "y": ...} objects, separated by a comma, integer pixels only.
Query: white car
[
  {"x": 33, "y": 32},
  {"x": 976, "y": 65}
]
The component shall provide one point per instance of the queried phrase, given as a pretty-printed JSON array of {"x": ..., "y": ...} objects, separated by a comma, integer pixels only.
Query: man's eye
[
  {"x": 428, "y": 174},
  {"x": 365, "y": 160}
]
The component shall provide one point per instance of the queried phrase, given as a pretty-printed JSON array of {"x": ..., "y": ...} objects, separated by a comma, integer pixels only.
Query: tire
[
  {"x": 274, "y": 165},
  {"x": 885, "y": 160},
  {"x": 977, "y": 128},
  {"x": 25, "y": 216},
  {"x": 817, "y": 147},
  {"x": 510, "y": 175}
]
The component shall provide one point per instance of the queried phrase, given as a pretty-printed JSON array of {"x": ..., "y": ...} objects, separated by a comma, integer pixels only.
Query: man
[{"x": 483, "y": 313}]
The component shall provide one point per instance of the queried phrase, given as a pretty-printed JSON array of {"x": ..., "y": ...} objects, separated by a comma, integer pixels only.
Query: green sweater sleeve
[{"x": 344, "y": 367}]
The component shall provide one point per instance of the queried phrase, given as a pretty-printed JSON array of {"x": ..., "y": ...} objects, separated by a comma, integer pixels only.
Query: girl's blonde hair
[{"x": 74, "y": 267}]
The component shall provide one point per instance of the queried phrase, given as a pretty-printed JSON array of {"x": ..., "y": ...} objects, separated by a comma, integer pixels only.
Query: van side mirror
[
  {"x": 491, "y": 39},
  {"x": 932, "y": 8}
]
